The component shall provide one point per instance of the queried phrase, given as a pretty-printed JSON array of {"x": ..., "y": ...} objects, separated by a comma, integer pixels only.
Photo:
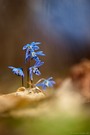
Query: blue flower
[
  {"x": 17, "y": 71},
  {"x": 35, "y": 69},
  {"x": 32, "y": 45},
  {"x": 33, "y": 55},
  {"x": 46, "y": 83}
]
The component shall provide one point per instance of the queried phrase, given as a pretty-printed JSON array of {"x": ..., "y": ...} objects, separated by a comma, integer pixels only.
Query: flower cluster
[{"x": 32, "y": 53}]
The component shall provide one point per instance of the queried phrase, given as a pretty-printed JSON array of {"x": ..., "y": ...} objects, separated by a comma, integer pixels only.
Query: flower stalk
[
  {"x": 28, "y": 78},
  {"x": 22, "y": 81}
]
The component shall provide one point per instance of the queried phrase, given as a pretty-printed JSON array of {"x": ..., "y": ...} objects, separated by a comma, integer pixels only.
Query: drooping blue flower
[
  {"x": 46, "y": 83},
  {"x": 32, "y": 45},
  {"x": 35, "y": 69},
  {"x": 17, "y": 71},
  {"x": 33, "y": 55}
]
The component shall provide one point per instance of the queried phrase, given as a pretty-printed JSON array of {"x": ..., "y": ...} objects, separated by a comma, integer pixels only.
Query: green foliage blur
[{"x": 45, "y": 126}]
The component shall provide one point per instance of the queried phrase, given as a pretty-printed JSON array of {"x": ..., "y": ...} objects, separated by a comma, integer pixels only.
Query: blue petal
[
  {"x": 25, "y": 46},
  {"x": 36, "y": 59},
  {"x": 38, "y": 64},
  {"x": 37, "y": 72},
  {"x": 42, "y": 85},
  {"x": 50, "y": 84},
  {"x": 32, "y": 45},
  {"x": 35, "y": 47},
  {"x": 15, "y": 71},
  {"x": 27, "y": 56},
  {"x": 39, "y": 84},
  {"x": 20, "y": 72},
  {"x": 53, "y": 82},
  {"x": 36, "y": 43},
  {"x": 11, "y": 67},
  {"x": 40, "y": 53}
]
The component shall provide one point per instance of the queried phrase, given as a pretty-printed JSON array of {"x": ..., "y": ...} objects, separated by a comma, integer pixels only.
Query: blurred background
[{"x": 62, "y": 26}]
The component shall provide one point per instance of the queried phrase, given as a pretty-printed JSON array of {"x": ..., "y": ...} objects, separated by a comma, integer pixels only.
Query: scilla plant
[{"x": 32, "y": 53}]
